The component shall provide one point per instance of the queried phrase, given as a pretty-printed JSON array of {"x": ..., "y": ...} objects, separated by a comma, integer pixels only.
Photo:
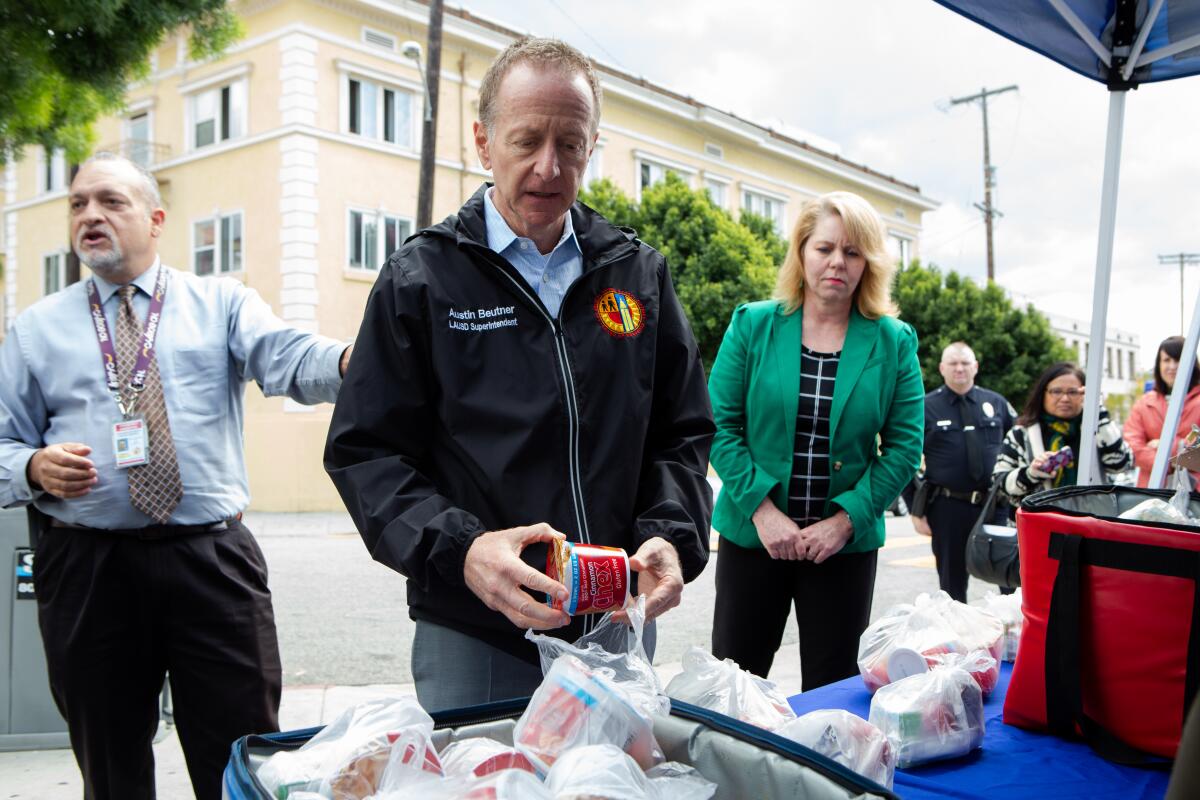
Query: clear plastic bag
[
  {"x": 479, "y": 756},
  {"x": 509, "y": 784},
  {"x": 675, "y": 781},
  {"x": 1006, "y": 608},
  {"x": 848, "y": 739},
  {"x": 347, "y": 759},
  {"x": 577, "y": 706},
  {"x": 931, "y": 716},
  {"x": 979, "y": 664},
  {"x": 412, "y": 761},
  {"x": 615, "y": 648},
  {"x": 598, "y": 771},
  {"x": 721, "y": 686}
]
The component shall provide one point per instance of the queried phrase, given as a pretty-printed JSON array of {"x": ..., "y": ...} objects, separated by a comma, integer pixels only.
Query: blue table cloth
[{"x": 1013, "y": 763}]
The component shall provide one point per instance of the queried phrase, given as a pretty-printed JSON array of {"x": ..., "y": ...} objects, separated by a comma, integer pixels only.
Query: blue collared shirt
[
  {"x": 549, "y": 275},
  {"x": 215, "y": 335}
]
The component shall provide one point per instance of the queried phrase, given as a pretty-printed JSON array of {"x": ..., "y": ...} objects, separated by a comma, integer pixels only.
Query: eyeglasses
[{"x": 1071, "y": 393}]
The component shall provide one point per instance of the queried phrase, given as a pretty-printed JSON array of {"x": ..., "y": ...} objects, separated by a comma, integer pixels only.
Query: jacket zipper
[{"x": 560, "y": 348}]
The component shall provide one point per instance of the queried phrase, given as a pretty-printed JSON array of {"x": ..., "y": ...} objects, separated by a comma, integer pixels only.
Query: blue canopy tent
[{"x": 1122, "y": 44}]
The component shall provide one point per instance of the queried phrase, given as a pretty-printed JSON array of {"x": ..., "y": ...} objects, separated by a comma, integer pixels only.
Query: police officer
[{"x": 964, "y": 426}]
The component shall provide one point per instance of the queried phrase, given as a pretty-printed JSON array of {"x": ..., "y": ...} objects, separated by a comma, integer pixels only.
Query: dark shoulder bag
[{"x": 992, "y": 549}]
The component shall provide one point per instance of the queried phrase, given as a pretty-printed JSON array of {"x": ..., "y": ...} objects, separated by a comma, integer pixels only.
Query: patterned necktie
[{"x": 154, "y": 488}]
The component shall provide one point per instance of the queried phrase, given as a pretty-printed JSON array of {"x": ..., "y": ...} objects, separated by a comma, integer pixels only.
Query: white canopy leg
[
  {"x": 1089, "y": 467},
  {"x": 1179, "y": 392}
]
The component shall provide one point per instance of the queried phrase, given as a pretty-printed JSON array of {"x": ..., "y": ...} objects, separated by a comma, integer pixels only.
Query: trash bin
[{"x": 29, "y": 719}]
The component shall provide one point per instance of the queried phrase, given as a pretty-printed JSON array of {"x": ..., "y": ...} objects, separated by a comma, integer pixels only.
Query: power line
[
  {"x": 585, "y": 32},
  {"x": 1183, "y": 259}
]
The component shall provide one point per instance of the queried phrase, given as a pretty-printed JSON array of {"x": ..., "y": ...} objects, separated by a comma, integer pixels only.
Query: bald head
[{"x": 958, "y": 367}]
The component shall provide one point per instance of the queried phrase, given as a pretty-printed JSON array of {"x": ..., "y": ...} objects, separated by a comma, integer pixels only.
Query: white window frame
[
  {"x": 238, "y": 83},
  {"x": 129, "y": 143},
  {"x": 595, "y": 165},
  {"x": 60, "y": 257},
  {"x": 711, "y": 180},
  {"x": 904, "y": 244},
  {"x": 381, "y": 81},
  {"x": 216, "y": 218},
  {"x": 52, "y": 171},
  {"x": 765, "y": 194},
  {"x": 685, "y": 171},
  {"x": 381, "y": 216}
]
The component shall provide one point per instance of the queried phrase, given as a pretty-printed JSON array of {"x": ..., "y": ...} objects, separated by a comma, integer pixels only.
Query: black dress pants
[
  {"x": 950, "y": 521},
  {"x": 117, "y": 613},
  {"x": 755, "y": 594}
]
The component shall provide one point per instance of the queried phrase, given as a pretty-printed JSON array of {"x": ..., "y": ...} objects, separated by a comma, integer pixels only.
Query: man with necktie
[
  {"x": 964, "y": 426},
  {"x": 121, "y": 421}
]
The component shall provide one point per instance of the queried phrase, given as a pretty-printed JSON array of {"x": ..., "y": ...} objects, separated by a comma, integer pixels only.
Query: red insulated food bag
[{"x": 1109, "y": 647}]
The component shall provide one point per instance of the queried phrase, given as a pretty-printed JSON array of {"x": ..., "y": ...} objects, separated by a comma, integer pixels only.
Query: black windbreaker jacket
[{"x": 468, "y": 408}]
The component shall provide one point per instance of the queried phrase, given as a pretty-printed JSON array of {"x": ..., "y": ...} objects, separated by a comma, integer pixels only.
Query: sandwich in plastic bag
[
  {"x": 721, "y": 686},
  {"x": 848, "y": 739}
]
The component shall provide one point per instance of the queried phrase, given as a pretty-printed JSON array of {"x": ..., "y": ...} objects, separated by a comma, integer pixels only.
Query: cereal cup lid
[{"x": 904, "y": 662}]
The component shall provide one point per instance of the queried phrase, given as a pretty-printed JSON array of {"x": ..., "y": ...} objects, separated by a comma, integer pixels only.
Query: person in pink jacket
[{"x": 1144, "y": 427}]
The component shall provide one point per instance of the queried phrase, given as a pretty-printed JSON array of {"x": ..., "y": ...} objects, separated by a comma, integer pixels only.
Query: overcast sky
[{"x": 876, "y": 77}]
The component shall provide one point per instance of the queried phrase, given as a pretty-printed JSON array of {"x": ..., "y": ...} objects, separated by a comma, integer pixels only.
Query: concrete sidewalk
[{"x": 53, "y": 775}]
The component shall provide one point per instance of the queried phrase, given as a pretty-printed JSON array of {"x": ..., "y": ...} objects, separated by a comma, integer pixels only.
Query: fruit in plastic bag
[
  {"x": 477, "y": 757},
  {"x": 721, "y": 686},
  {"x": 931, "y": 716},
  {"x": 576, "y": 706},
  {"x": 978, "y": 664},
  {"x": 848, "y": 739}
]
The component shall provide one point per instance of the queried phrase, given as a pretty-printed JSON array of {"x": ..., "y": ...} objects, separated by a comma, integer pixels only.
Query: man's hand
[
  {"x": 660, "y": 577},
  {"x": 827, "y": 537},
  {"x": 921, "y": 525},
  {"x": 495, "y": 572},
  {"x": 778, "y": 533},
  {"x": 63, "y": 470},
  {"x": 344, "y": 363}
]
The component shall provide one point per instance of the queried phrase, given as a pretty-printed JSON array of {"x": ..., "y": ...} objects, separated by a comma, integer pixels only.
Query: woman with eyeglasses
[
  {"x": 1144, "y": 427},
  {"x": 1031, "y": 456}
]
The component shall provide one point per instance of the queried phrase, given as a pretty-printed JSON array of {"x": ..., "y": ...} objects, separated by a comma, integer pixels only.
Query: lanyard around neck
[{"x": 108, "y": 354}]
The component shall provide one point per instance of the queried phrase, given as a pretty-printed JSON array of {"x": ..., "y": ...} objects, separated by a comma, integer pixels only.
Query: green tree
[
  {"x": 763, "y": 229},
  {"x": 67, "y": 62},
  {"x": 1013, "y": 345},
  {"x": 715, "y": 262}
]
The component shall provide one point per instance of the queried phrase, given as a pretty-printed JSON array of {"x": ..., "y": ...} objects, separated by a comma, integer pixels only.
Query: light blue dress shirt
[
  {"x": 215, "y": 335},
  {"x": 549, "y": 275}
]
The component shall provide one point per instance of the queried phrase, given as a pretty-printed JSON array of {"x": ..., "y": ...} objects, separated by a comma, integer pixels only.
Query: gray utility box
[{"x": 29, "y": 719}]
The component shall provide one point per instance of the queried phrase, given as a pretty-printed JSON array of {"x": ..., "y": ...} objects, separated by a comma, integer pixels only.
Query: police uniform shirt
[{"x": 963, "y": 434}]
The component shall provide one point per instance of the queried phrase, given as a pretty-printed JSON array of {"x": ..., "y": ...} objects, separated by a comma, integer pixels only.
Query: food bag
[
  {"x": 576, "y": 706},
  {"x": 848, "y": 739},
  {"x": 721, "y": 686},
  {"x": 1006, "y": 608},
  {"x": 930, "y": 716},
  {"x": 477, "y": 757}
]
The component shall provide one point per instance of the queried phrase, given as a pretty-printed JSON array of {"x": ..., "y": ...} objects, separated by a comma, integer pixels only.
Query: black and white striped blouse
[{"x": 809, "y": 485}]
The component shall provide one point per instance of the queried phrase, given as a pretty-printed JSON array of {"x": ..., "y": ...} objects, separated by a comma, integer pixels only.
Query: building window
[
  {"x": 373, "y": 236},
  {"x": 52, "y": 172},
  {"x": 137, "y": 139},
  {"x": 595, "y": 166},
  {"x": 54, "y": 272},
  {"x": 1108, "y": 362},
  {"x": 1132, "y": 366},
  {"x": 901, "y": 248},
  {"x": 764, "y": 206},
  {"x": 218, "y": 114},
  {"x": 217, "y": 245},
  {"x": 381, "y": 112},
  {"x": 718, "y": 192}
]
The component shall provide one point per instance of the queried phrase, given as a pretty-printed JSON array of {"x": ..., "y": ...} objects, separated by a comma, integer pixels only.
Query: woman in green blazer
[{"x": 818, "y": 401}]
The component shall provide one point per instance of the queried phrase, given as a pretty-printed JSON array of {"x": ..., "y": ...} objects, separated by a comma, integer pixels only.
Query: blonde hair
[{"x": 873, "y": 296}]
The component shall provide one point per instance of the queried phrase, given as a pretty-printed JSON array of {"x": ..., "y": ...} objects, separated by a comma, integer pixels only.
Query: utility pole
[
  {"x": 1183, "y": 259},
  {"x": 433, "y": 73},
  {"x": 989, "y": 172}
]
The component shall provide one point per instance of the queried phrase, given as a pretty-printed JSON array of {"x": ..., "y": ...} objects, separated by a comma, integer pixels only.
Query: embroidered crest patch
[{"x": 620, "y": 313}]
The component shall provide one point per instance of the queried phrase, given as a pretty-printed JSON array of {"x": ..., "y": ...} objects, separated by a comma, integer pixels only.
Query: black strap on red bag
[{"x": 1064, "y": 690}]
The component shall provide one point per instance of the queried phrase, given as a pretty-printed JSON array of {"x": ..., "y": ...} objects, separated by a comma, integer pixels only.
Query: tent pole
[
  {"x": 1089, "y": 468},
  {"x": 1183, "y": 378}
]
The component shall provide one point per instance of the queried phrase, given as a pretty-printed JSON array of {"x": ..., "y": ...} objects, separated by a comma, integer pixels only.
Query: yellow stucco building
[{"x": 291, "y": 163}]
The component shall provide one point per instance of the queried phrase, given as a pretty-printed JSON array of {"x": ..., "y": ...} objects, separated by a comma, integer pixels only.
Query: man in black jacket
[{"x": 524, "y": 372}]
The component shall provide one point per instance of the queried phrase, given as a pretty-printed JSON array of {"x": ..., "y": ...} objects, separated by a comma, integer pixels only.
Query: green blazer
[{"x": 876, "y": 421}]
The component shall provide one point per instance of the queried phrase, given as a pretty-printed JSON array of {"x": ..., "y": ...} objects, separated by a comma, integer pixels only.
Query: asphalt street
[{"x": 342, "y": 617}]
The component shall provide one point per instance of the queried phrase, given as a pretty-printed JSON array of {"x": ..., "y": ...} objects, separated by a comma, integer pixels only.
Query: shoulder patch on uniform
[{"x": 619, "y": 313}]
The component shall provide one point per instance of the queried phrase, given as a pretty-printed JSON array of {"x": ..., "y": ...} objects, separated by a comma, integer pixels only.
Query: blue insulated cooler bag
[{"x": 743, "y": 760}]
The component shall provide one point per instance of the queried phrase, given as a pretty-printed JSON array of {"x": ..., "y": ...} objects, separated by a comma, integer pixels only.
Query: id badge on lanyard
[{"x": 130, "y": 436}]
